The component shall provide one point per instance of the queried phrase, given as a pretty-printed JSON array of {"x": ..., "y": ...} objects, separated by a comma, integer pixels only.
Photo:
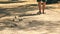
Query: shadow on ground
[
  {"x": 21, "y": 10},
  {"x": 3, "y": 12},
  {"x": 18, "y": 10},
  {"x": 30, "y": 25}
]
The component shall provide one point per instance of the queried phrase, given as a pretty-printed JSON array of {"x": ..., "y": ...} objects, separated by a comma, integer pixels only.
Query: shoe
[
  {"x": 39, "y": 12},
  {"x": 43, "y": 12}
]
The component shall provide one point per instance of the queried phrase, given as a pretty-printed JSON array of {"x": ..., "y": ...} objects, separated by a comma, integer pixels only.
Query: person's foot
[
  {"x": 43, "y": 13},
  {"x": 39, "y": 12}
]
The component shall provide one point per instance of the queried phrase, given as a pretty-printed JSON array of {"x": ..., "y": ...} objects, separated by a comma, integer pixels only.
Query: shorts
[{"x": 42, "y": 0}]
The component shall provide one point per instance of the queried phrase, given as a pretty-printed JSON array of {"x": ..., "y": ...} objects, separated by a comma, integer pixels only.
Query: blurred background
[{"x": 48, "y": 1}]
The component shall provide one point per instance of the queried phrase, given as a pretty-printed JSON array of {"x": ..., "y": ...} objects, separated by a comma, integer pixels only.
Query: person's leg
[
  {"x": 39, "y": 6},
  {"x": 44, "y": 5}
]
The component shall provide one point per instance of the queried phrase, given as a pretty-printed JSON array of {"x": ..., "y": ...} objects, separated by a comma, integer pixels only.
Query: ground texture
[{"x": 22, "y": 18}]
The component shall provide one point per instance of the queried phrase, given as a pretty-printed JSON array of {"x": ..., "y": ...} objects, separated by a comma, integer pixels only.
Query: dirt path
[{"x": 27, "y": 22}]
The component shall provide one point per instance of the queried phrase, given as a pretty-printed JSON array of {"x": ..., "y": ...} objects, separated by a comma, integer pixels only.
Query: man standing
[{"x": 43, "y": 6}]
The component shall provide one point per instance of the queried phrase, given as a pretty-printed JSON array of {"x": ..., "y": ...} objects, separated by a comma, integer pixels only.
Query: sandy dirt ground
[{"x": 22, "y": 18}]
